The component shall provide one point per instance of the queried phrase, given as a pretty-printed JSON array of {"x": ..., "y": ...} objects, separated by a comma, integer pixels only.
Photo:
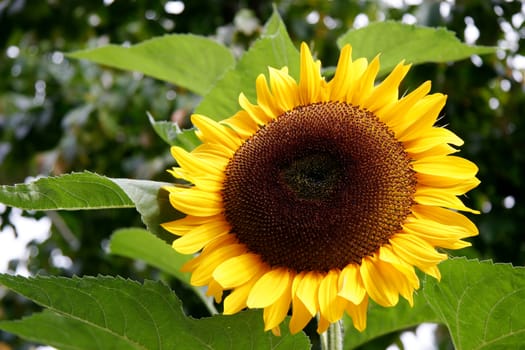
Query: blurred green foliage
[{"x": 59, "y": 115}]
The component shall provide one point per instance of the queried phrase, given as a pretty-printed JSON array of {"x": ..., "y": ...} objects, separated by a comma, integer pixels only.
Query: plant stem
[
  {"x": 332, "y": 339},
  {"x": 208, "y": 301}
]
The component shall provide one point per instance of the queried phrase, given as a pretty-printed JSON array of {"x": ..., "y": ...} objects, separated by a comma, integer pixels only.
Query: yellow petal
[
  {"x": 276, "y": 331},
  {"x": 439, "y": 198},
  {"x": 238, "y": 270},
  {"x": 198, "y": 237},
  {"x": 438, "y": 235},
  {"x": 213, "y": 132},
  {"x": 180, "y": 173},
  {"x": 438, "y": 150},
  {"x": 421, "y": 116},
  {"x": 296, "y": 281},
  {"x": 417, "y": 252},
  {"x": 203, "y": 273},
  {"x": 284, "y": 89},
  {"x": 300, "y": 315},
  {"x": 322, "y": 324},
  {"x": 331, "y": 305},
  {"x": 265, "y": 100},
  {"x": 236, "y": 300},
  {"x": 197, "y": 166},
  {"x": 215, "y": 291},
  {"x": 341, "y": 82},
  {"x": 351, "y": 285},
  {"x": 215, "y": 154},
  {"x": 378, "y": 286},
  {"x": 395, "y": 115},
  {"x": 192, "y": 264},
  {"x": 208, "y": 184},
  {"x": 431, "y": 138},
  {"x": 269, "y": 288},
  {"x": 310, "y": 81},
  {"x": 274, "y": 314},
  {"x": 445, "y": 217},
  {"x": 366, "y": 83},
  {"x": 196, "y": 202},
  {"x": 254, "y": 111},
  {"x": 449, "y": 166},
  {"x": 182, "y": 226},
  {"x": 358, "y": 313},
  {"x": 307, "y": 291},
  {"x": 242, "y": 124},
  {"x": 356, "y": 71},
  {"x": 387, "y": 91},
  {"x": 451, "y": 185},
  {"x": 403, "y": 277},
  {"x": 218, "y": 243},
  {"x": 408, "y": 280}
]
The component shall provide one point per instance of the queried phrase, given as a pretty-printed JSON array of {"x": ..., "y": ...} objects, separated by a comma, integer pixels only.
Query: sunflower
[{"x": 321, "y": 195}]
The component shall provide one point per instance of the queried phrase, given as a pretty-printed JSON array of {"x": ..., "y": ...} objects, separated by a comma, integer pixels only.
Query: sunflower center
[
  {"x": 314, "y": 176},
  {"x": 322, "y": 186}
]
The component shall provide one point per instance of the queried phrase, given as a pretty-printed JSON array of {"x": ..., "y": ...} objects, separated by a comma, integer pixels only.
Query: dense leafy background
[{"x": 59, "y": 115}]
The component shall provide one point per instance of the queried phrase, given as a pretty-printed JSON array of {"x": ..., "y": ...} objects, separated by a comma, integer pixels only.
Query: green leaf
[
  {"x": 113, "y": 313},
  {"x": 74, "y": 334},
  {"x": 173, "y": 135},
  {"x": 137, "y": 243},
  {"x": 273, "y": 49},
  {"x": 191, "y": 61},
  {"x": 415, "y": 44},
  {"x": 152, "y": 202},
  {"x": 91, "y": 191},
  {"x": 381, "y": 320},
  {"x": 67, "y": 192},
  {"x": 482, "y": 303}
]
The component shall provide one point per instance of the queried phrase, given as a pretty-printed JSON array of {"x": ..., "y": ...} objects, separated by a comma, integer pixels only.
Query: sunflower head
[{"x": 321, "y": 195}]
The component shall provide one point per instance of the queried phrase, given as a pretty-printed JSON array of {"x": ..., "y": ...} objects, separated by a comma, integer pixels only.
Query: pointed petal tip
[{"x": 275, "y": 331}]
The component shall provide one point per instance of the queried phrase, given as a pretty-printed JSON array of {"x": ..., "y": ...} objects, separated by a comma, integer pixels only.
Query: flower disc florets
[{"x": 318, "y": 188}]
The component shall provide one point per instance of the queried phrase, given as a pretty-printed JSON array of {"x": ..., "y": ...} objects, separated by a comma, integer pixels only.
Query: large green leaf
[
  {"x": 187, "y": 60},
  {"x": 113, "y": 313},
  {"x": 415, "y": 44},
  {"x": 137, "y": 243},
  {"x": 274, "y": 49},
  {"x": 67, "y": 192},
  {"x": 87, "y": 190},
  {"x": 482, "y": 303}
]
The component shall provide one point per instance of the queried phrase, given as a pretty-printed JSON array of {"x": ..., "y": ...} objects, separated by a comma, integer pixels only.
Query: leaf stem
[{"x": 208, "y": 301}]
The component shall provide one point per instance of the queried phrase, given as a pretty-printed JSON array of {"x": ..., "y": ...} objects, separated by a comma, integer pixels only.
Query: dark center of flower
[
  {"x": 322, "y": 186},
  {"x": 314, "y": 176}
]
